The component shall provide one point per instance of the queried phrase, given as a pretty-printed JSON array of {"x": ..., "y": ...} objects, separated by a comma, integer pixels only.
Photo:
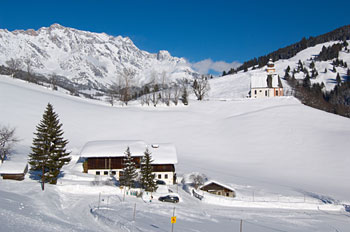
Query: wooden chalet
[
  {"x": 216, "y": 188},
  {"x": 105, "y": 158}
]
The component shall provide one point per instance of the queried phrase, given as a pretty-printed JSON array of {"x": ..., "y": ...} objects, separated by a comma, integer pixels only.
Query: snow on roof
[
  {"x": 113, "y": 148},
  {"x": 16, "y": 165},
  {"x": 260, "y": 81},
  {"x": 164, "y": 153},
  {"x": 218, "y": 183}
]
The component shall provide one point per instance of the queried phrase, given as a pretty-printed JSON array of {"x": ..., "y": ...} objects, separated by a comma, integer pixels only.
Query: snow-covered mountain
[{"x": 91, "y": 59}]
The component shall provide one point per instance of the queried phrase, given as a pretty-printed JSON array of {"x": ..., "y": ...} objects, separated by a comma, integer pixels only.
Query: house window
[
  {"x": 276, "y": 92},
  {"x": 113, "y": 173},
  {"x": 166, "y": 176},
  {"x": 266, "y": 93},
  {"x": 260, "y": 90},
  {"x": 219, "y": 193},
  {"x": 159, "y": 176},
  {"x": 105, "y": 173},
  {"x": 227, "y": 194},
  {"x": 97, "y": 173},
  {"x": 255, "y": 92}
]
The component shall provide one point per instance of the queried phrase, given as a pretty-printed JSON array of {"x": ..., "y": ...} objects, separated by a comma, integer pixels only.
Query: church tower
[{"x": 270, "y": 67}]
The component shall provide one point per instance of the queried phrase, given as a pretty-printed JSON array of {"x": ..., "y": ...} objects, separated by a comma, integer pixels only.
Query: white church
[{"x": 266, "y": 84}]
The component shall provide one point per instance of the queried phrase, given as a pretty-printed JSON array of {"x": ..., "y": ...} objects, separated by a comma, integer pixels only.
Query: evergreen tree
[
  {"x": 300, "y": 66},
  {"x": 288, "y": 69},
  {"x": 224, "y": 73},
  {"x": 307, "y": 82},
  {"x": 48, "y": 150},
  {"x": 184, "y": 96},
  {"x": 129, "y": 170},
  {"x": 325, "y": 70},
  {"x": 338, "y": 79},
  {"x": 348, "y": 73},
  {"x": 147, "y": 176},
  {"x": 312, "y": 65},
  {"x": 286, "y": 75},
  {"x": 334, "y": 69}
]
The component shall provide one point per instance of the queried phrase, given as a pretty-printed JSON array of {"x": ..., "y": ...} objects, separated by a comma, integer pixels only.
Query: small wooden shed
[
  {"x": 217, "y": 188},
  {"x": 14, "y": 169}
]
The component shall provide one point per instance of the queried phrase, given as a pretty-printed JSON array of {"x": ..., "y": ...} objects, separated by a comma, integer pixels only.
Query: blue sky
[{"x": 207, "y": 31}]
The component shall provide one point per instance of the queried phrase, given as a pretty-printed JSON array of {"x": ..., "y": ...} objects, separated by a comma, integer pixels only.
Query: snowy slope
[
  {"x": 238, "y": 85},
  {"x": 87, "y": 58},
  {"x": 276, "y": 149}
]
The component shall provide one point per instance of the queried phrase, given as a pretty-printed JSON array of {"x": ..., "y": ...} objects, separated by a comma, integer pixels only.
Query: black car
[
  {"x": 169, "y": 198},
  {"x": 160, "y": 182}
]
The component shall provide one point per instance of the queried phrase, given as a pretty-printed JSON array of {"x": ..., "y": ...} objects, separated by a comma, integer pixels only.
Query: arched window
[
  {"x": 276, "y": 92},
  {"x": 255, "y": 92}
]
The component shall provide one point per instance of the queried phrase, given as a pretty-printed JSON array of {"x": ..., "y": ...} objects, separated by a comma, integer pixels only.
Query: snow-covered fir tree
[
  {"x": 147, "y": 176},
  {"x": 49, "y": 148},
  {"x": 129, "y": 170}
]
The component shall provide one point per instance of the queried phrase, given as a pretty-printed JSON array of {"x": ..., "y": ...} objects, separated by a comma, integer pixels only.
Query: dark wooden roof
[{"x": 215, "y": 186}]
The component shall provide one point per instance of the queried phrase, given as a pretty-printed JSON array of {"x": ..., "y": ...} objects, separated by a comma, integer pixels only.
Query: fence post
[
  {"x": 241, "y": 226},
  {"x": 172, "y": 224},
  {"x": 134, "y": 212},
  {"x": 99, "y": 199}
]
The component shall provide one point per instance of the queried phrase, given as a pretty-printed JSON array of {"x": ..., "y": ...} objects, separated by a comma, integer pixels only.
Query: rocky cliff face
[{"x": 90, "y": 59}]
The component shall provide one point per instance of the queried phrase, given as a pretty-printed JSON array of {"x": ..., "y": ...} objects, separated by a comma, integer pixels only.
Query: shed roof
[
  {"x": 218, "y": 183},
  {"x": 112, "y": 148},
  {"x": 16, "y": 165},
  {"x": 164, "y": 153},
  {"x": 260, "y": 81}
]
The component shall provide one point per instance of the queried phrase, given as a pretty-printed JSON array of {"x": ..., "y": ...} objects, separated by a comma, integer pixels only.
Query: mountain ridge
[{"x": 87, "y": 58}]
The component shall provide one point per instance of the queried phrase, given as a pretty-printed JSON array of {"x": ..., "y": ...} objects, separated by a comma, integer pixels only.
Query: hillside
[
  {"x": 339, "y": 34},
  {"x": 238, "y": 85},
  {"x": 273, "y": 148},
  {"x": 93, "y": 60}
]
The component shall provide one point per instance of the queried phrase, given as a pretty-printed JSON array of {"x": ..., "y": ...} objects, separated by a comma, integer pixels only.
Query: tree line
[{"x": 340, "y": 34}]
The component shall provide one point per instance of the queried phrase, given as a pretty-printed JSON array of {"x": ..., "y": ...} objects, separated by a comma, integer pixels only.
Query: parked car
[
  {"x": 160, "y": 182},
  {"x": 169, "y": 198}
]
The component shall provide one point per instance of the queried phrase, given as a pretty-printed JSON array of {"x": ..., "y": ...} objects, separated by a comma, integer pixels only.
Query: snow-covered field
[{"x": 274, "y": 152}]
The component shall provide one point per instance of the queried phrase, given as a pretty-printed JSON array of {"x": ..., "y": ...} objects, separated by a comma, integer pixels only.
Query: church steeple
[{"x": 270, "y": 67}]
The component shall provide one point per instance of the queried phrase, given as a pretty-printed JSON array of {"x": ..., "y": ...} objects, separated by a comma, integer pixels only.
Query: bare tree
[
  {"x": 201, "y": 87},
  {"x": 155, "y": 99},
  {"x": 113, "y": 93},
  {"x": 164, "y": 79},
  {"x": 198, "y": 179},
  {"x": 167, "y": 96},
  {"x": 7, "y": 141},
  {"x": 176, "y": 94},
  {"x": 53, "y": 81},
  {"x": 15, "y": 65},
  {"x": 145, "y": 99},
  {"x": 126, "y": 78},
  {"x": 30, "y": 78}
]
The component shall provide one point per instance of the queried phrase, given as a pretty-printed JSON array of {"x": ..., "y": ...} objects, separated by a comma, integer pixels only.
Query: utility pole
[{"x": 241, "y": 226}]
